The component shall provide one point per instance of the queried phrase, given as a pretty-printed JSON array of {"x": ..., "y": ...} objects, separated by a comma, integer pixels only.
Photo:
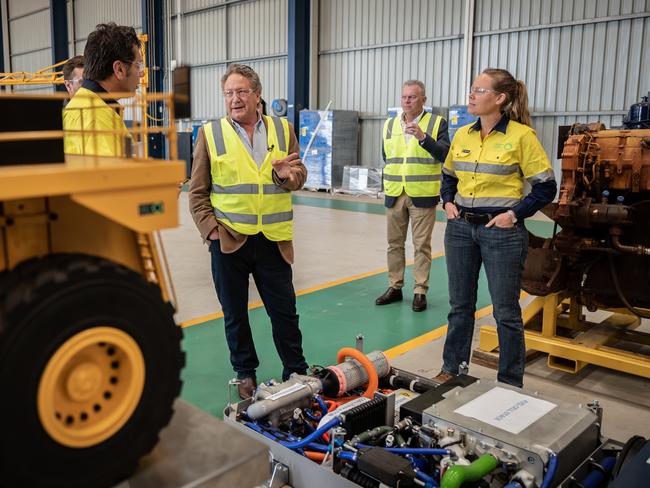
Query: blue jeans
[
  {"x": 273, "y": 278},
  {"x": 503, "y": 252}
]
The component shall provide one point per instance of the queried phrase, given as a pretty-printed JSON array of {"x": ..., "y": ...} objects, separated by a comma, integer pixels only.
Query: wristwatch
[{"x": 512, "y": 216}]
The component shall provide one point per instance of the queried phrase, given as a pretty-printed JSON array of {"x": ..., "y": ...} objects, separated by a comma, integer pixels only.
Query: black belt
[{"x": 478, "y": 218}]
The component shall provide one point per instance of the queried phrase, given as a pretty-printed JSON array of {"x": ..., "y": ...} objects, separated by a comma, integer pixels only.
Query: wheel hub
[{"x": 91, "y": 386}]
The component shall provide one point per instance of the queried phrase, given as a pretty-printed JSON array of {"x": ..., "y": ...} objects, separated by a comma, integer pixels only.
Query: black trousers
[{"x": 273, "y": 278}]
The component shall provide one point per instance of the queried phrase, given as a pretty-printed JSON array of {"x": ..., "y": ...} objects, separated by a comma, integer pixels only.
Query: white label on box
[{"x": 506, "y": 409}]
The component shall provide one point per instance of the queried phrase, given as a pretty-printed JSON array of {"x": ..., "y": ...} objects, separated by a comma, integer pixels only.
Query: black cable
[{"x": 617, "y": 286}]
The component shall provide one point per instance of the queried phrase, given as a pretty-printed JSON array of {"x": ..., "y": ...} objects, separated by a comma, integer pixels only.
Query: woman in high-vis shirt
[{"x": 482, "y": 194}]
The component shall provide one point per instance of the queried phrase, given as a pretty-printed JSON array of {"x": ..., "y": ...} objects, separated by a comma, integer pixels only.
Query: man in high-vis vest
[
  {"x": 112, "y": 64},
  {"x": 414, "y": 145},
  {"x": 245, "y": 167}
]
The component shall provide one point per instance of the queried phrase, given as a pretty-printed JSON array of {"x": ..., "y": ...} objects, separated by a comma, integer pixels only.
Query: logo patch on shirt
[
  {"x": 466, "y": 151},
  {"x": 507, "y": 146}
]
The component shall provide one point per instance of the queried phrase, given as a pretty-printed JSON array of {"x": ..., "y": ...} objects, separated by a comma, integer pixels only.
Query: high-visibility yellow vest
[
  {"x": 410, "y": 168},
  {"x": 491, "y": 171},
  {"x": 244, "y": 197},
  {"x": 88, "y": 112}
]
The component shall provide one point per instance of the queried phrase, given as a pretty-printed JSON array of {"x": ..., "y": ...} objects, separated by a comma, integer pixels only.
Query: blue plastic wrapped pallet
[
  {"x": 335, "y": 146},
  {"x": 458, "y": 117}
]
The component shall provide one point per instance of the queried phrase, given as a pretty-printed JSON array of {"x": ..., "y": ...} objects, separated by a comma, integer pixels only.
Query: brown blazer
[{"x": 201, "y": 208}]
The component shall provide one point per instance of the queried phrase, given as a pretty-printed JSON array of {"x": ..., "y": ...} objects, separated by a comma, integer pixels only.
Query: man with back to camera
[
  {"x": 414, "y": 145},
  {"x": 245, "y": 167},
  {"x": 112, "y": 64},
  {"x": 73, "y": 74}
]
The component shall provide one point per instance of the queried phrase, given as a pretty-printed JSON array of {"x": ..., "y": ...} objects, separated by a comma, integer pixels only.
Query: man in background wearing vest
[
  {"x": 73, "y": 74},
  {"x": 112, "y": 64},
  {"x": 245, "y": 167},
  {"x": 414, "y": 145}
]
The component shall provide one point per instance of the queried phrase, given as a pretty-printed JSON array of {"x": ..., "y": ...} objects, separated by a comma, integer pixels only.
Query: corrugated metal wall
[
  {"x": 30, "y": 45},
  {"x": 367, "y": 48},
  {"x": 582, "y": 60},
  {"x": 214, "y": 34}
]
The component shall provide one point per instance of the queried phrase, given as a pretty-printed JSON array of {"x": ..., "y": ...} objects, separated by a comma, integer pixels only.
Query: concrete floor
[{"x": 335, "y": 244}]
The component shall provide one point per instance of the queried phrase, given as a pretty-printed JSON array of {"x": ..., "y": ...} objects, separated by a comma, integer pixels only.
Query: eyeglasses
[
  {"x": 241, "y": 93},
  {"x": 481, "y": 91},
  {"x": 75, "y": 81},
  {"x": 138, "y": 64},
  {"x": 408, "y": 98}
]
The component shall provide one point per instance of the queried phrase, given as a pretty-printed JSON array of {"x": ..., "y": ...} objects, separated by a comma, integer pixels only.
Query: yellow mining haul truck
[{"x": 90, "y": 356}]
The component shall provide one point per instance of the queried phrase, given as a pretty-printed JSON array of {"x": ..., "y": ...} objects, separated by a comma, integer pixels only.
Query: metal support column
[
  {"x": 298, "y": 59},
  {"x": 59, "y": 24},
  {"x": 153, "y": 21}
]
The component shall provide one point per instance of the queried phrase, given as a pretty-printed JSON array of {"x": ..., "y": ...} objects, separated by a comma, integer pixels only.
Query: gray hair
[
  {"x": 416, "y": 83},
  {"x": 246, "y": 72}
]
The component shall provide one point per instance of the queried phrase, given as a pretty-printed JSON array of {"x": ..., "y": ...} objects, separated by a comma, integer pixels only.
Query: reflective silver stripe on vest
[
  {"x": 217, "y": 135},
  {"x": 389, "y": 131},
  {"x": 412, "y": 178},
  {"x": 546, "y": 175},
  {"x": 487, "y": 168},
  {"x": 392, "y": 177},
  {"x": 274, "y": 218},
  {"x": 449, "y": 172},
  {"x": 279, "y": 130},
  {"x": 432, "y": 122},
  {"x": 394, "y": 160},
  {"x": 470, "y": 202},
  {"x": 420, "y": 161},
  {"x": 245, "y": 189},
  {"x": 270, "y": 189},
  {"x": 236, "y": 218}
]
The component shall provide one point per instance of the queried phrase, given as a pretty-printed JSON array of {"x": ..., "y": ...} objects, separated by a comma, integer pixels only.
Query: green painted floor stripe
[{"x": 329, "y": 319}]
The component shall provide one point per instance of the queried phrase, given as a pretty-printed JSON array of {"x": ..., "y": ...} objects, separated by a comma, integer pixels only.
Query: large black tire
[{"x": 47, "y": 303}]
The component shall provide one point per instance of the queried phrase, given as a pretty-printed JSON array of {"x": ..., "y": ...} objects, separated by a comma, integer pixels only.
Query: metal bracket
[{"x": 279, "y": 475}]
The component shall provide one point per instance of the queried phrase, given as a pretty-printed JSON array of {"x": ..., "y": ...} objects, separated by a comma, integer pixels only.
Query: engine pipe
[
  {"x": 596, "y": 477},
  {"x": 455, "y": 476},
  {"x": 425, "y": 451},
  {"x": 550, "y": 472},
  {"x": 313, "y": 436}
]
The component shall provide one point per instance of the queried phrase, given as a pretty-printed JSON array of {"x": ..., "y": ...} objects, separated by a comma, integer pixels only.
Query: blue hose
[
  {"x": 322, "y": 405},
  {"x": 313, "y": 436},
  {"x": 349, "y": 456},
  {"x": 426, "y": 451},
  {"x": 429, "y": 482},
  {"x": 550, "y": 472},
  {"x": 596, "y": 477},
  {"x": 513, "y": 484}
]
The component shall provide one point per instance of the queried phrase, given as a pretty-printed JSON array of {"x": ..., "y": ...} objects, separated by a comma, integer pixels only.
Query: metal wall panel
[
  {"x": 587, "y": 65},
  {"x": 18, "y": 8},
  {"x": 581, "y": 60},
  {"x": 89, "y": 13},
  {"x": 368, "y": 48},
  {"x": 30, "y": 33},
  {"x": 257, "y": 29},
  {"x": 203, "y": 37},
  {"x": 254, "y": 32},
  {"x": 29, "y": 40},
  {"x": 188, "y": 5}
]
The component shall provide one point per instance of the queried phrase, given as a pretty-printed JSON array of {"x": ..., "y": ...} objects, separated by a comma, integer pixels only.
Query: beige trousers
[{"x": 422, "y": 220}]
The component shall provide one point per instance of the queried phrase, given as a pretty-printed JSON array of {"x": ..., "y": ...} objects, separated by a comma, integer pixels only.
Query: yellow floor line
[
  {"x": 328, "y": 284},
  {"x": 434, "y": 334}
]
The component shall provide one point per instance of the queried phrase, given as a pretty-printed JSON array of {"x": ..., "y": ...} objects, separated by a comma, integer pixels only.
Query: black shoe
[
  {"x": 419, "y": 302},
  {"x": 246, "y": 388},
  {"x": 391, "y": 295}
]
